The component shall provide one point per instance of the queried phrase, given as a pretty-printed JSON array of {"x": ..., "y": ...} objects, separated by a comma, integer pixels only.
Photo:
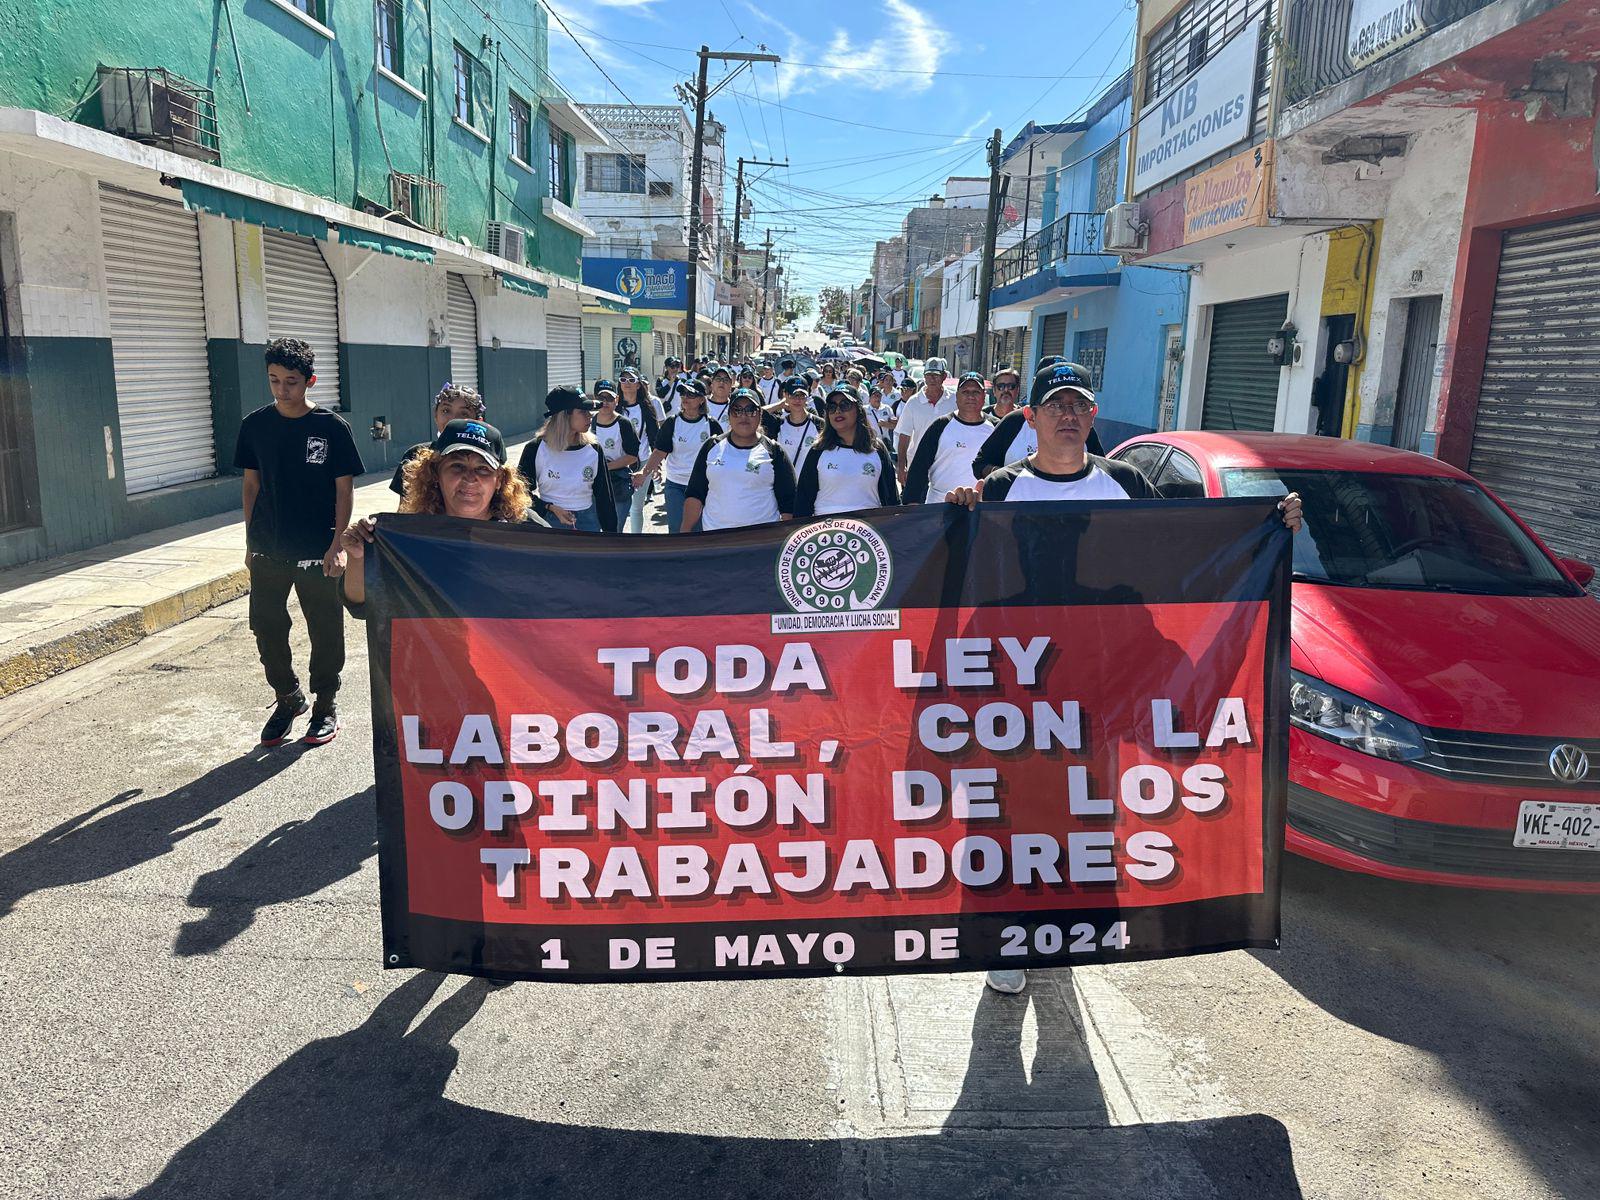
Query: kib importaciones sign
[{"x": 1203, "y": 114}]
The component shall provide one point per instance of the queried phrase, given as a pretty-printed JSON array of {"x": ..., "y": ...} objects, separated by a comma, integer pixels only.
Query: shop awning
[
  {"x": 513, "y": 283},
  {"x": 202, "y": 197},
  {"x": 365, "y": 239},
  {"x": 610, "y": 305}
]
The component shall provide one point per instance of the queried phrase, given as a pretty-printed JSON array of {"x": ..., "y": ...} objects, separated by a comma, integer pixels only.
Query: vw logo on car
[{"x": 1569, "y": 763}]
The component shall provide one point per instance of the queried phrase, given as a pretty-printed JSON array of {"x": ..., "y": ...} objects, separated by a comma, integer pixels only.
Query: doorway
[
  {"x": 1332, "y": 387},
  {"x": 1417, "y": 378}
]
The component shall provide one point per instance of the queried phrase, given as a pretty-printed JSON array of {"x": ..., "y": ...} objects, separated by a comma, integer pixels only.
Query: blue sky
[{"x": 862, "y": 143}]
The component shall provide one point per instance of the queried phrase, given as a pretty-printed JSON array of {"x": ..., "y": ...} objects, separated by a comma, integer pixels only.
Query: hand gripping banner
[{"x": 919, "y": 739}]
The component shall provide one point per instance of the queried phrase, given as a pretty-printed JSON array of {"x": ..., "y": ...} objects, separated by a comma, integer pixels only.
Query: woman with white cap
[{"x": 566, "y": 468}]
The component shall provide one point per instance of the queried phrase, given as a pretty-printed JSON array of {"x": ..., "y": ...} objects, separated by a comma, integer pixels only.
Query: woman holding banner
[
  {"x": 566, "y": 468},
  {"x": 848, "y": 467},
  {"x": 742, "y": 478}
]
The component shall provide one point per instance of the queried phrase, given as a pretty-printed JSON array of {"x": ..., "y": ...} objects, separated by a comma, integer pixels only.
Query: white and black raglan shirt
[
  {"x": 680, "y": 440},
  {"x": 943, "y": 461},
  {"x": 845, "y": 480},
  {"x": 768, "y": 389},
  {"x": 643, "y": 416},
  {"x": 574, "y": 479},
  {"x": 740, "y": 485},
  {"x": 1100, "y": 479},
  {"x": 918, "y": 413},
  {"x": 1013, "y": 440},
  {"x": 618, "y": 440},
  {"x": 717, "y": 410},
  {"x": 796, "y": 439}
]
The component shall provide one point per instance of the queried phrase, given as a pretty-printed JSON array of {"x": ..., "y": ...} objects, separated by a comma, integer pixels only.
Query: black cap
[
  {"x": 565, "y": 399},
  {"x": 1058, "y": 377},
  {"x": 847, "y": 390},
  {"x": 604, "y": 385},
  {"x": 909, "y": 382},
  {"x": 1049, "y": 360},
  {"x": 674, "y": 361},
  {"x": 481, "y": 439},
  {"x": 793, "y": 384},
  {"x": 786, "y": 363},
  {"x": 749, "y": 394},
  {"x": 972, "y": 377},
  {"x": 720, "y": 370},
  {"x": 692, "y": 387}
]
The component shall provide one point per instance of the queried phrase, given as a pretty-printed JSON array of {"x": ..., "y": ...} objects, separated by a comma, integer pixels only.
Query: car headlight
[{"x": 1328, "y": 712}]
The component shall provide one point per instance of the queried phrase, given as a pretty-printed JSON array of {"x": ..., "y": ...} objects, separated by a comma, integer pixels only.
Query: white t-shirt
[
  {"x": 769, "y": 389},
  {"x": 681, "y": 439},
  {"x": 948, "y": 464},
  {"x": 917, "y": 413},
  {"x": 739, "y": 487},
  {"x": 718, "y": 410},
  {"x": 611, "y": 439},
  {"x": 566, "y": 477},
  {"x": 878, "y": 415},
  {"x": 635, "y": 414},
  {"x": 796, "y": 440},
  {"x": 847, "y": 480},
  {"x": 1100, "y": 479}
]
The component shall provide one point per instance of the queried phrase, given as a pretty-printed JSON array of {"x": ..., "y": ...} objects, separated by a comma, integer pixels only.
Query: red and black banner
[{"x": 919, "y": 739}]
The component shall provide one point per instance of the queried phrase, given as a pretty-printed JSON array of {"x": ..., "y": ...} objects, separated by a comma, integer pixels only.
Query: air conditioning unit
[
  {"x": 507, "y": 240},
  {"x": 1123, "y": 228},
  {"x": 154, "y": 106}
]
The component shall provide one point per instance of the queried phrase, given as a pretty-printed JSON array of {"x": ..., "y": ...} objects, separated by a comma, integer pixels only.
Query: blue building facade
[{"x": 1123, "y": 323}]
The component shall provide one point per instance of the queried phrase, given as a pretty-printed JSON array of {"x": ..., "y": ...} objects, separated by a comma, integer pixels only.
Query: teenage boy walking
[{"x": 299, "y": 464}]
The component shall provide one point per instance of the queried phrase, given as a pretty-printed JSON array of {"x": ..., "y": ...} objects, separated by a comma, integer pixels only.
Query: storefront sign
[
  {"x": 1380, "y": 27},
  {"x": 645, "y": 282},
  {"x": 642, "y": 324},
  {"x": 918, "y": 739},
  {"x": 1203, "y": 116},
  {"x": 1231, "y": 195}
]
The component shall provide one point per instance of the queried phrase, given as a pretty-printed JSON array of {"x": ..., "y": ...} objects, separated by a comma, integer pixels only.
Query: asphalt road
[{"x": 191, "y": 1005}]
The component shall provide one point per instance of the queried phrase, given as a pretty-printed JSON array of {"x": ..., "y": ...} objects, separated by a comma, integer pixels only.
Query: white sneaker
[{"x": 1009, "y": 982}]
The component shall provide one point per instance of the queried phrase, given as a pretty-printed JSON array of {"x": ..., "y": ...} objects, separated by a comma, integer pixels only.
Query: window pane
[
  {"x": 389, "y": 40},
  {"x": 1105, "y": 179},
  {"x": 463, "y": 86},
  {"x": 521, "y": 120},
  {"x": 1180, "y": 478}
]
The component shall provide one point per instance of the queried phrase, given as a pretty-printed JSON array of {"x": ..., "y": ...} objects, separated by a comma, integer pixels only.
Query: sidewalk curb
[{"x": 100, "y": 638}]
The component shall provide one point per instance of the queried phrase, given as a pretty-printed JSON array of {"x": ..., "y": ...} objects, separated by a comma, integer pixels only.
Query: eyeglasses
[
  {"x": 835, "y": 403},
  {"x": 1005, "y": 387},
  {"x": 1056, "y": 404},
  {"x": 742, "y": 410}
]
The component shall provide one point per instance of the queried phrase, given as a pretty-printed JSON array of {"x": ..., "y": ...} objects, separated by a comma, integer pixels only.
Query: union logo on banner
[{"x": 834, "y": 574}]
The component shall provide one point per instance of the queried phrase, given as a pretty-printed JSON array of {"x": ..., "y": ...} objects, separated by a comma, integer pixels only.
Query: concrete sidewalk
[{"x": 64, "y": 612}]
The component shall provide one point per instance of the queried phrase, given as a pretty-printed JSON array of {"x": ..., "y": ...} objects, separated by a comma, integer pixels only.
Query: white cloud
[
  {"x": 971, "y": 131},
  {"x": 910, "y": 41}
]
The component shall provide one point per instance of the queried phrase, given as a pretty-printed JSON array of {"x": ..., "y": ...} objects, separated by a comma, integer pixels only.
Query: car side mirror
[{"x": 1579, "y": 570}]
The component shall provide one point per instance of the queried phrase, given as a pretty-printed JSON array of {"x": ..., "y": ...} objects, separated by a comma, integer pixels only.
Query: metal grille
[
  {"x": 1053, "y": 335},
  {"x": 1319, "y": 51},
  {"x": 1425, "y": 845},
  {"x": 1072, "y": 233},
  {"x": 303, "y": 302},
  {"x": 622, "y": 173},
  {"x": 1504, "y": 759},
  {"x": 564, "y": 356},
  {"x": 1417, "y": 380},
  {"x": 154, "y": 106},
  {"x": 1089, "y": 350},
  {"x": 18, "y": 481},
  {"x": 1538, "y": 424},
  {"x": 1241, "y": 381},
  {"x": 1194, "y": 34},
  {"x": 419, "y": 198},
  {"x": 158, "y": 340},
  {"x": 461, "y": 315}
]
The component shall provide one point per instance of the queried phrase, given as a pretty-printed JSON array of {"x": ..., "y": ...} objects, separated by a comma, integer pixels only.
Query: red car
[{"x": 1445, "y": 686}]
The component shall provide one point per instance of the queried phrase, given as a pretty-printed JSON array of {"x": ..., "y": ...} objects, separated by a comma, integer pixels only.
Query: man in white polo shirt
[{"x": 921, "y": 411}]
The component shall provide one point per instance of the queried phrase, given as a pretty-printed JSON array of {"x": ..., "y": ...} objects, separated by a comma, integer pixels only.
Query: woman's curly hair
[{"x": 423, "y": 494}]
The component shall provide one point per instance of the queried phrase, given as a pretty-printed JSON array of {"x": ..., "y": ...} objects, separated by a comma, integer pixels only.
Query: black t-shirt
[
  {"x": 299, "y": 459},
  {"x": 397, "y": 485}
]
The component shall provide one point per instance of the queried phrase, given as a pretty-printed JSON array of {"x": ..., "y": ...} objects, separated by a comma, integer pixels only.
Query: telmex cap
[
  {"x": 479, "y": 438},
  {"x": 745, "y": 394},
  {"x": 796, "y": 384},
  {"x": 972, "y": 377},
  {"x": 564, "y": 399},
  {"x": 692, "y": 388},
  {"x": 674, "y": 361},
  {"x": 604, "y": 385},
  {"x": 936, "y": 364},
  {"x": 1060, "y": 377}
]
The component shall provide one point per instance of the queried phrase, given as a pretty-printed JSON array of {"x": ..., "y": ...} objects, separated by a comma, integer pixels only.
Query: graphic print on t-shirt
[
  {"x": 300, "y": 460},
  {"x": 316, "y": 450}
]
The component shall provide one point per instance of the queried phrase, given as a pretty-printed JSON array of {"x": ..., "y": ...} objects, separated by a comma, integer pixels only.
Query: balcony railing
[
  {"x": 1325, "y": 47},
  {"x": 1074, "y": 233}
]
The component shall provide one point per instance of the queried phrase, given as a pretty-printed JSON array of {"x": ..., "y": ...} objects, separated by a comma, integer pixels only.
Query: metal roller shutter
[
  {"x": 565, "y": 352},
  {"x": 1241, "y": 381},
  {"x": 303, "y": 302},
  {"x": 461, "y": 315},
  {"x": 1053, "y": 337},
  {"x": 158, "y": 340},
  {"x": 1538, "y": 426}
]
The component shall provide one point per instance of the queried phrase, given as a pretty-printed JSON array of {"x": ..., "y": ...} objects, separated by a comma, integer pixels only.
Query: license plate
[{"x": 1545, "y": 825}]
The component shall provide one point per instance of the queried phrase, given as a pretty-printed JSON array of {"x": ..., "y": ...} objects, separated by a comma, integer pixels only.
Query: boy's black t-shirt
[
  {"x": 397, "y": 485},
  {"x": 299, "y": 459}
]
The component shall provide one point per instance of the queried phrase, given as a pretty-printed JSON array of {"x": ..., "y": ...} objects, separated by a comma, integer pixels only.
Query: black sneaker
[
  {"x": 276, "y": 729},
  {"x": 324, "y": 724}
]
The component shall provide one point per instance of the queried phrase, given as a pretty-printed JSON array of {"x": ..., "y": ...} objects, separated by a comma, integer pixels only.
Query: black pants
[{"x": 270, "y": 582}]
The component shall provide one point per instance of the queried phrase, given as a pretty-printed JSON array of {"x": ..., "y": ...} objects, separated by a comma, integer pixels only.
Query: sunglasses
[
  {"x": 835, "y": 403},
  {"x": 742, "y": 410},
  {"x": 1005, "y": 387}
]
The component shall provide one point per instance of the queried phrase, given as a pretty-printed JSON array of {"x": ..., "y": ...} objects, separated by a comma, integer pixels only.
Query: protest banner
[{"x": 905, "y": 740}]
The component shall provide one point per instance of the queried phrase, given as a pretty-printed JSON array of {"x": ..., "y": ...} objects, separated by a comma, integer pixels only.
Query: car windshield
[{"x": 1412, "y": 532}]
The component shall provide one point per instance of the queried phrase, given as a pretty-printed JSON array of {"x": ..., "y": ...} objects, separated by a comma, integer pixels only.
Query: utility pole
[
  {"x": 766, "y": 282},
  {"x": 986, "y": 274},
  {"x": 697, "y": 173},
  {"x": 738, "y": 208}
]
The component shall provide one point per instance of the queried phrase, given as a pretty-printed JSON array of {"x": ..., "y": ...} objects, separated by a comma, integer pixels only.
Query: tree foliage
[{"x": 835, "y": 302}]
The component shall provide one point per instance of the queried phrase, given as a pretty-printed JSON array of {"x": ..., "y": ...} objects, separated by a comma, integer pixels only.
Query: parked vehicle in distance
[
  {"x": 914, "y": 368},
  {"x": 1445, "y": 665}
]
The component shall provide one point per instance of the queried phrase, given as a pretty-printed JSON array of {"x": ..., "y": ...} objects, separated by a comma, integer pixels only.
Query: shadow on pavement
[
  {"x": 124, "y": 831},
  {"x": 363, "y": 1114},
  {"x": 295, "y": 860},
  {"x": 1499, "y": 987}
]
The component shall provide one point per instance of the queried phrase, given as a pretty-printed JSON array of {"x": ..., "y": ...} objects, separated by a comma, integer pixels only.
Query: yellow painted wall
[{"x": 1347, "y": 288}]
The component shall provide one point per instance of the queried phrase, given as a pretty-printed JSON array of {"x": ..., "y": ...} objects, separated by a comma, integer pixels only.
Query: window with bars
[
  {"x": 520, "y": 115},
  {"x": 1089, "y": 351},
  {"x": 391, "y": 52},
  {"x": 559, "y": 184},
  {"x": 311, "y": 8},
  {"x": 1194, "y": 33},
  {"x": 1105, "y": 178},
  {"x": 614, "y": 173},
  {"x": 466, "y": 67}
]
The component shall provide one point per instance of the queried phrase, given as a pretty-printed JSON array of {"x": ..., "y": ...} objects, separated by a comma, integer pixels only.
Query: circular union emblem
[
  {"x": 1569, "y": 763},
  {"x": 834, "y": 566},
  {"x": 630, "y": 282}
]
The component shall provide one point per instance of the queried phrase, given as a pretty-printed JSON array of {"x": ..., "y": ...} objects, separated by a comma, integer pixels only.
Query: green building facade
[{"x": 182, "y": 181}]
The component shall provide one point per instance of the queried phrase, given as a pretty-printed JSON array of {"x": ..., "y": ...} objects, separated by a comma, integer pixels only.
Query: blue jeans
[
  {"x": 641, "y": 497},
  {"x": 626, "y": 499},
  {"x": 676, "y": 492},
  {"x": 588, "y": 522}
]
